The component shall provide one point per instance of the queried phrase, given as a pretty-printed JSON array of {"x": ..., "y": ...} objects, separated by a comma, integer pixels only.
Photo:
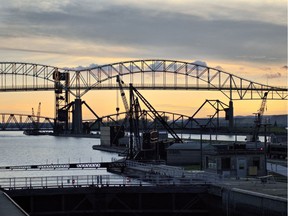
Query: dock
[{"x": 139, "y": 188}]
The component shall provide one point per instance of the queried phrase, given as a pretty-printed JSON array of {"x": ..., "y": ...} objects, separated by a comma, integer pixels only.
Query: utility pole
[
  {"x": 265, "y": 147},
  {"x": 201, "y": 149}
]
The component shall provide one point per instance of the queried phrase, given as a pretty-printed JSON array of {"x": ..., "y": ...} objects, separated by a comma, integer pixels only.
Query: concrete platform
[
  {"x": 278, "y": 189},
  {"x": 9, "y": 207}
]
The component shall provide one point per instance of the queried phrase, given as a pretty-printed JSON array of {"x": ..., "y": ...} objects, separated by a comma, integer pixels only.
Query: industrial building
[
  {"x": 234, "y": 161},
  {"x": 228, "y": 160}
]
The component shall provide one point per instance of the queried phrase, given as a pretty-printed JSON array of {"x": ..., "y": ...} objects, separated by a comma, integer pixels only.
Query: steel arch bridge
[{"x": 144, "y": 74}]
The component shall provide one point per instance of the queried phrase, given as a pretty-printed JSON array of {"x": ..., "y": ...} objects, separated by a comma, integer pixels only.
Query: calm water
[{"x": 19, "y": 149}]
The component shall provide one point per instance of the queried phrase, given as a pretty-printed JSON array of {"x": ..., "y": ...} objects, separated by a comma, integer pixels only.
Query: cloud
[
  {"x": 147, "y": 31},
  {"x": 219, "y": 68},
  {"x": 267, "y": 69},
  {"x": 285, "y": 67},
  {"x": 31, "y": 50},
  {"x": 273, "y": 75},
  {"x": 93, "y": 65},
  {"x": 200, "y": 63}
]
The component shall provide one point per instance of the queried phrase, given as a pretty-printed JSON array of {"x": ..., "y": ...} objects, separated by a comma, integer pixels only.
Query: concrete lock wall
[{"x": 237, "y": 202}]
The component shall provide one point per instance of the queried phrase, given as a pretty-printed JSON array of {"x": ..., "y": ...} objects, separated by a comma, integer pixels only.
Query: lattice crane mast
[
  {"x": 120, "y": 82},
  {"x": 258, "y": 118},
  {"x": 132, "y": 114},
  {"x": 37, "y": 116}
]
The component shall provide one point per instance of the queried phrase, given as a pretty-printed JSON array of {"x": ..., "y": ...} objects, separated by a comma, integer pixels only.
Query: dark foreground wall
[
  {"x": 208, "y": 200},
  {"x": 173, "y": 200},
  {"x": 236, "y": 202}
]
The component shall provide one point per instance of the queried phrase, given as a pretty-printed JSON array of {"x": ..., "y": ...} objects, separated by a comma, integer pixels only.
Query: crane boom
[
  {"x": 258, "y": 118},
  {"x": 157, "y": 115},
  {"x": 120, "y": 82}
]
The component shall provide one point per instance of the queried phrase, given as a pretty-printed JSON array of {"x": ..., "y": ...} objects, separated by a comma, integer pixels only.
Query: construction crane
[
  {"x": 132, "y": 115},
  {"x": 258, "y": 119},
  {"x": 157, "y": 115},
  {"x": 35, "y": 122},
  {"x": 120, "y": 82}
]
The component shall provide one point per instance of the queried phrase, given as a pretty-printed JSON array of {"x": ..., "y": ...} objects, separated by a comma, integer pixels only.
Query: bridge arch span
[
  {"x": 143, "y": 74},
  {"x": 172, "y": 74}
]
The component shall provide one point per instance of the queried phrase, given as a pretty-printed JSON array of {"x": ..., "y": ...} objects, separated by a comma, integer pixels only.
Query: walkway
[{"x": 282, "y": 170}]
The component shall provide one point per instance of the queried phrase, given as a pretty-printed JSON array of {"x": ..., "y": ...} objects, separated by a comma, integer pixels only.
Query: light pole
[
  {"x": 210, "y": 125},
  {"x": 201, "y": 149},
  {"x": 265, "y": 148}
]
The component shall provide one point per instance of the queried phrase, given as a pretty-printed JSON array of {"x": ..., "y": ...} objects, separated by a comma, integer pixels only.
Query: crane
[
  {"x": 132, "y": 114},
  {"x": 120, "y": 82},
  {"x": 258, "y": 118},
  {"x": 35, "y": 122},
  {"x": 157, "y": 115}
]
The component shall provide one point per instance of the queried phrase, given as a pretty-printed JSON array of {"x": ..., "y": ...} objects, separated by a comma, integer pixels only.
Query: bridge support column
[
  {"x": 77, "y": 126},
  {"x": 231, "y": 115}
]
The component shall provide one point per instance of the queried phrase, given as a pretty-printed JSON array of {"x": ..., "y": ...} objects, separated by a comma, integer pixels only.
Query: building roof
[{"x": 187, "y": 146}]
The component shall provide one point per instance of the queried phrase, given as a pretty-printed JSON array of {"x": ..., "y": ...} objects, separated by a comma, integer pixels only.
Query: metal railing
[
  {"x": 96, "y": 181},
  {"x": 67, "y": 181},
  {"x": 175, "y": 172}
]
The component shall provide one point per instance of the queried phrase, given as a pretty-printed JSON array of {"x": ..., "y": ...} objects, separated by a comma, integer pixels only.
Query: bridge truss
[
  {"x": 175, "y": 121},
  {"x": 25, "y": 122},
  {"x": 143, "y": 74},
  {"x": 148, "y": 121}
]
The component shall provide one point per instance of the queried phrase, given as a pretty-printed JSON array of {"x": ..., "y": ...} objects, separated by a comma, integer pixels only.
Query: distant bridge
[
  {"x": 143, "y": 74},
  {"x": 147, "y": 120},
  {"x": 25, "y": 122}
]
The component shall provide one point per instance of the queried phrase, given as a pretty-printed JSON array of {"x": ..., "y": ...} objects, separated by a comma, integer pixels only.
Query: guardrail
[
  {"x": 92, "y": 181},
  {"x": 67, "y": 181}
]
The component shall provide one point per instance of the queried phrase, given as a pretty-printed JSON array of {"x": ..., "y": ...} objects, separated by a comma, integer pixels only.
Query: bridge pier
[
  {"x": 77, "y": 127},
  {"x": 231, "y": 115}
]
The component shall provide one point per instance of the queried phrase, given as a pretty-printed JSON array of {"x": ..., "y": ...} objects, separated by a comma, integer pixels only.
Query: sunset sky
[{"x": 243, "y": 37}]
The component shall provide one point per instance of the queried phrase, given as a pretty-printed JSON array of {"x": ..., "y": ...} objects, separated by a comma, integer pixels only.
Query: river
[{"x": 19, "y": 149}]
